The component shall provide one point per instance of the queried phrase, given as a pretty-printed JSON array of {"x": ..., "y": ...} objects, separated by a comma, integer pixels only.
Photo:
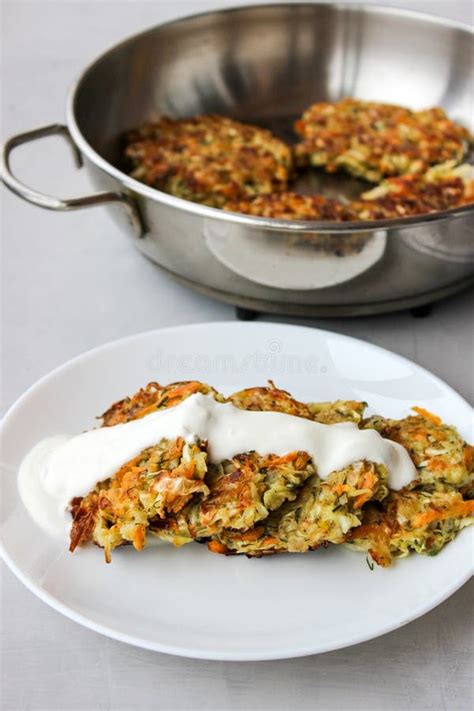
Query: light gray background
[{"x": 71, "y": 282}]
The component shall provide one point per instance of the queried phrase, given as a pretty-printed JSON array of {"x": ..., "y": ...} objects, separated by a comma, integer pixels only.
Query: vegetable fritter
[
  {"x": 155, "y": 397},
  {"x": 159, "y": 481},
  {"x": 208, "y": 159},
  {"x": 242, "y": 492},
  {"x": 440, "y": 188},
  {"x": 439, "y": 453},
  {"x": 273, "y": 399},
  {"x": 372, "y": 140},
  {"x": 411, "y": 521},
  {"x": 153, "y": 493},
  {"x": 292, "y": 206},
  {"x": 323, "y": 512},
  {"x": 329, "y": 413},
  {"x": 245, "y": 489},
  {"x": 429, "y": 512}
]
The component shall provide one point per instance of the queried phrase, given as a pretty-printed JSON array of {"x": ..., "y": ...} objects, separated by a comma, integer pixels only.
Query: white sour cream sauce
[{"x": 60, "y": 468}]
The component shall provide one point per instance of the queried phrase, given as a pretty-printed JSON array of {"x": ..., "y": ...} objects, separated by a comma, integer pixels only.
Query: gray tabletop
[{"x": 71, "y": 282}]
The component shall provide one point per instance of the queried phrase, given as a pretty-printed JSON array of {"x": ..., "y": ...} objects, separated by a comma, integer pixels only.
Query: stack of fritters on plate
[{"x": 261, "y": 504}]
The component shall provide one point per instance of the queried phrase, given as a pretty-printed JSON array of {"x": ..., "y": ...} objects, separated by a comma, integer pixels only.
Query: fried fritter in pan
[
  {"x": 208, "y": 159},
  {"x": 292, "y": 206},
  {"x": 373, "y": 140},
  {"x": 441, "y": 188}
]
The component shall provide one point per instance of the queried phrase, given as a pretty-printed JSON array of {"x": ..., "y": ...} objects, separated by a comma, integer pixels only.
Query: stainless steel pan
[{"x": 266, "y": 64}]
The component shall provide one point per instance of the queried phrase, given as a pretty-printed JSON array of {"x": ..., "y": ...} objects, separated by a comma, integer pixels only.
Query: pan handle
[{"x": 52, "y": 203}]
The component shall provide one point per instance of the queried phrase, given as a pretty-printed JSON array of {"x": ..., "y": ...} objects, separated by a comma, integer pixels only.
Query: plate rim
[{"x": 196, "y": 652}]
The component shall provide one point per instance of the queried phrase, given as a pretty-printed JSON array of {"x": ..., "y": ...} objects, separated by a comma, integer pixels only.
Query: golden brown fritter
[
  {"x": 155, "y": 397},
  {"x": 274, "y": 399},
  {"x": 440, "y": 188},
  {"x": 208, "y": 159},
  {"x": 245, "y": 489},
  {"x": 269, "y": 398},
  {"x": 439, "y": 453},
  {"x": 372, "y": 140},
  {"x": 242, "y": 492},
  {"x": 411, "y": 521},
  {"x": 160, "y": 481},
  {"x": 292, "y": 206},
  {"x": 323, "y": 512},
  {"x": 428, "y": 513},
  {"x": 330, "y": 413}
]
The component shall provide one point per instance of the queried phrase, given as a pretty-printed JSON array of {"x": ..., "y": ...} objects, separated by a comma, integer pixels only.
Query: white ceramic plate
[{"x": 189, "y": 601}]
